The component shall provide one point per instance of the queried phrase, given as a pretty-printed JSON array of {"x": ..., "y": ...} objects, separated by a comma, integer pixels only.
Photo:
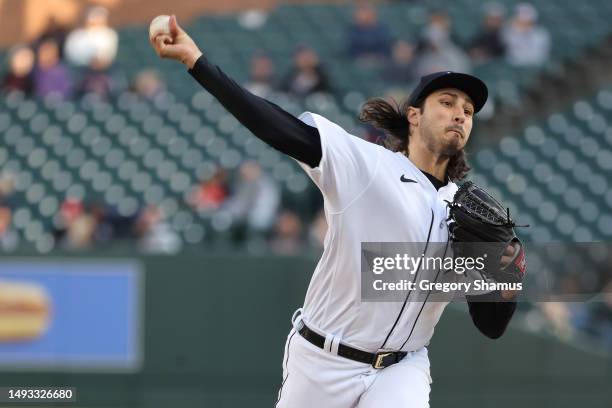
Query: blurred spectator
[
  {"x": 287, "y": 238},
  {"x": 559, "y": 318},
  {"x": 148, "y": 84},
  {"x": 51, "y": 75},
  {"x": 261, "y": 80},
  {"x": 111, "y": 225},
  {"x": 211, "y": 193},
  {"x": 256, "y": 199},
  {"x": 71, "y": 208},
  {"x": 318, "y": 230},
  {"x": 96, "y": 79},
  {"x": 7, "y": 187},
  {"x": 368, "y": 40},
  {"x": 80, "y": 232},
  {"x": 438, "y": 50},
  {"x": 76, "y": 226},
  {"x": 19, "y": 77},
  {"x": 488, "y": 43},
  {"x": 306, "y": 75},
  {"x": 526, "y": 43},
  {"x": 95, "y": 40},
  {"x": 439, "y": 27},
  {"x": 8, "y": 237},
  {"x": 582, "y": 313},
  {"x": 155, "y": 234},
  {"x": 600, "y": 316},
  {"x": 53, "y": 31},
  {"x": 104, "y": 232},
  {"x": 401, "y": 70}
]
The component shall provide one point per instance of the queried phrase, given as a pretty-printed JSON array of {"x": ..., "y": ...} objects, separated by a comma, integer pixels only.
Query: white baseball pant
[{"x": 313, "y": 377}]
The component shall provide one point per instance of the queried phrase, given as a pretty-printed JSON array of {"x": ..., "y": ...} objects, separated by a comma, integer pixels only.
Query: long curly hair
[{"x": 391, "y": 117}]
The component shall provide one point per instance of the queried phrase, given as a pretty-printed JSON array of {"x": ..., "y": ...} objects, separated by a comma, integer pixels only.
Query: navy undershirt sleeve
[
  {"x": 490, "y": 313},
  {"x": 267, "y": 121}
]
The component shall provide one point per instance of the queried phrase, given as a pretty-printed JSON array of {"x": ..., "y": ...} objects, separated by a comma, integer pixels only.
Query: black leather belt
[{"x": 380, "y": 359}]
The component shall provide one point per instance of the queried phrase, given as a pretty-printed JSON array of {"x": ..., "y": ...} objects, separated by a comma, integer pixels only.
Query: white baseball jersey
[{"x": 365, "y": 201}]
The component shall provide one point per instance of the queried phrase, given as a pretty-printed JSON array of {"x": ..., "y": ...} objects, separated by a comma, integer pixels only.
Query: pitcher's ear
[{"x": 413, "y": 114}]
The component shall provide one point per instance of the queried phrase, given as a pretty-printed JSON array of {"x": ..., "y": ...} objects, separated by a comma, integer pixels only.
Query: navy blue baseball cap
[{"x": 472, "y": 86}]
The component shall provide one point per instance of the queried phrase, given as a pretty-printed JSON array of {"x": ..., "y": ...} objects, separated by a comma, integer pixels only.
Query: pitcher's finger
[
  {"x": 160, "y": 44},
  {"x": 505, "y": 260},
  {"x": 163, "y": 39},
  {"x": 174, "y": 27}
]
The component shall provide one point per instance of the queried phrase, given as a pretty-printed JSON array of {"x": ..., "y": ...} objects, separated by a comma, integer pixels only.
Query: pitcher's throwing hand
[{"x": 176, "y": 44}]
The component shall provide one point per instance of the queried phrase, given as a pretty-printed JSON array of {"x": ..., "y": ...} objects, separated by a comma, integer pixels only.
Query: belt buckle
[{"x": 380, "y": 359}]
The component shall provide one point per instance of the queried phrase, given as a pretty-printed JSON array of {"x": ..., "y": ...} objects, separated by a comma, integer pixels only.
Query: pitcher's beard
[
  {"x": 441, "y": 146},
  {"x": 450, "y": 148}
]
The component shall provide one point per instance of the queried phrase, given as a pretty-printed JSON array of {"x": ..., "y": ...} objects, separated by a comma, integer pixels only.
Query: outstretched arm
[{"x": 267, "y": 121}]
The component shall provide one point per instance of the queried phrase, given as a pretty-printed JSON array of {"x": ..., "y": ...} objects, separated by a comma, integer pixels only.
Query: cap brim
[{"x": 472, "y": 86}]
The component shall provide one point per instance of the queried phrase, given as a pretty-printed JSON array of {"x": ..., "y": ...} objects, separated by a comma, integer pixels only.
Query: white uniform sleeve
[{"x": 348, "y": 163}]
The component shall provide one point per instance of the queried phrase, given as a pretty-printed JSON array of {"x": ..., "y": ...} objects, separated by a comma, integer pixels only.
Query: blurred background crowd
[
  {"x": 104, "y": 145},
  {"x": 70, "y": 62},
  {"x": 76, "y": 63}
]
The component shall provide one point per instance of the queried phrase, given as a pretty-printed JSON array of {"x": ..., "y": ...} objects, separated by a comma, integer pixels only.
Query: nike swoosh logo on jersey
[{"x": 407, "y": 180}]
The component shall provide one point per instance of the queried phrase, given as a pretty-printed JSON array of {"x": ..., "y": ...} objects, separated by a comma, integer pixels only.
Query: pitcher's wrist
[{"x": 192, "y": 58}]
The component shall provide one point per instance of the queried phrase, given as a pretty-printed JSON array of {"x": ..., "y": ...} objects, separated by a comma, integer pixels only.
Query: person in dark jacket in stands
[
  {"x": 306, "y": 75},
  {"x": 488, "y": 43},
  {"x": 19, "y": 77},
  {"x": 368, "y": 40}
]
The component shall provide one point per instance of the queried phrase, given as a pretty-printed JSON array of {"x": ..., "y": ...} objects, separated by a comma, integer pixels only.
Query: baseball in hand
[{"x": 159, "y": 25}]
